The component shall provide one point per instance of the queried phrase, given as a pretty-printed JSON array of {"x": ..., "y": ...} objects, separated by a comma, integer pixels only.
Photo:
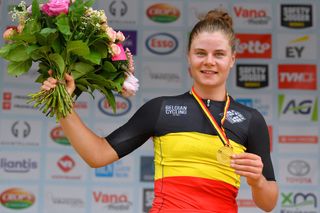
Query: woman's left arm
[{"x": 264, "y": 192}]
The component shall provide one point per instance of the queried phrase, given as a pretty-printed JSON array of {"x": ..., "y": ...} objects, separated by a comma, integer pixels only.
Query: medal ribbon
[{"x": 220, "y": 130}]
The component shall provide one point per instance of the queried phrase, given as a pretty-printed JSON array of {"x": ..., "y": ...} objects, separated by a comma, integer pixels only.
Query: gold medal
[{"x": 224, "y": 154}]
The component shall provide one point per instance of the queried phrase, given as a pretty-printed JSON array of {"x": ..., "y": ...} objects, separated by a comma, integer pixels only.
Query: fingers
[
  {"x": 51, "y": 83},
  {"x": 247, "y": 164},
  {"x": 68, "y": 77},
  {"x": 48, "y": 84},
  {"x": 70, "y": 83}
]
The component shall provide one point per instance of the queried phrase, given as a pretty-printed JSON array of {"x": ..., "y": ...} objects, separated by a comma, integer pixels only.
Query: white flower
[{"x": 130, "y": 85}]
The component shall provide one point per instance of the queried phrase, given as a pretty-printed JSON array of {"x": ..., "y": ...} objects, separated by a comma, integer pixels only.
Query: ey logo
[{"x": 298, "y": 108}]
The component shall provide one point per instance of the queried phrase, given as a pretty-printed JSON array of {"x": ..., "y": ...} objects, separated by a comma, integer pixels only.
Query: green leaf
[
  {"x": 83, "y": 88},
  {"x": 35, "y": 9},
  {"x": 42, "y": 40},
  {"x": 26, "y": 37},
  {"x": 119, "y": 82},
  {"x": 34, "y": 52},
  {"x": 101, "y": 48},
  {"x": 77, "y": 9},
  {"x": 89, "y": 3},
  {"x": 57, "y": 46},
  {"x": 32, "y": 48},
  {"x": 17, "y": 54},
  {"x": 47, "y": 31},
  {"x": 32, "y": 27},
  {"x": 58, "y": 62},
  {"x": 18, "y": 68},
  {"x": 49, "y": 35},
  {"x": 5, "y": 50},
  {"x": 63, "y": 24},
  {"x": 44, "y": 49},
  {"x": 93, "y": 57},
  {"x": 78, "y": 47},
  {"x": 111, "y": 100},
  {"x": 82, "y": 81},
  {"x": 108, "y": 66},
  {"x": 102, "y": 82},
  {"x": 81, "y": 69}
]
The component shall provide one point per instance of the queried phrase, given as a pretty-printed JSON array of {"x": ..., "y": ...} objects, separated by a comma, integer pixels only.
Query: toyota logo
[{"x": 299, "y": 168}]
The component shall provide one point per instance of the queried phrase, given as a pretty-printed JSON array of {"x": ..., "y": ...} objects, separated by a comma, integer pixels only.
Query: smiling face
[{"x": 210, "y": 58}]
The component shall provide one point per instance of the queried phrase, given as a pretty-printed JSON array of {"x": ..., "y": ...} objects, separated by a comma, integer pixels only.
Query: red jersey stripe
[{"x": 194, "y": 194}]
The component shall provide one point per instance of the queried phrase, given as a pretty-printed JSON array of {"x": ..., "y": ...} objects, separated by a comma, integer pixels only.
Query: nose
[{"x": 209, "y": 60}]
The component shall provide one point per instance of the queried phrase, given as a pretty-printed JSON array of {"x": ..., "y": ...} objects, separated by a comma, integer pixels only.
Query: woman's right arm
[{"x": 94, "y": 150}]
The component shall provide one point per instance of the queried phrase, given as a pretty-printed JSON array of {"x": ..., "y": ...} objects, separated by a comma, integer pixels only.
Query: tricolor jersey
[{"x": 188, "y": 176}]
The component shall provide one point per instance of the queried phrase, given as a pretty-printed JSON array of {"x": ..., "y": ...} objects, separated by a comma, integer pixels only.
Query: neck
[{"x": 216, "y": 94}]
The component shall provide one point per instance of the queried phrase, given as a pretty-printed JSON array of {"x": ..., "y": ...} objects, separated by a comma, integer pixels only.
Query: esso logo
[
  {"x": 162, "y": 43},
  {"x": 123, "y": 106}
]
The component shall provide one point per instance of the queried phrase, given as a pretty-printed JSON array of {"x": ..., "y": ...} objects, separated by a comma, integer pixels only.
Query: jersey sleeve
[
  {"x": 259, "y": 143},
  {"x": 137, "y": 130}
]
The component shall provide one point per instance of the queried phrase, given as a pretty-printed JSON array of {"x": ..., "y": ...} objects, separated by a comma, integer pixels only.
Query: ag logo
[{"x": 298, "y": 108}]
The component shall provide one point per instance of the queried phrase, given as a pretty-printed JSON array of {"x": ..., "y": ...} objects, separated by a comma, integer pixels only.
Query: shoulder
[
  {"x": 162, "y": 100},
  {"x": 250, "y": 113}
]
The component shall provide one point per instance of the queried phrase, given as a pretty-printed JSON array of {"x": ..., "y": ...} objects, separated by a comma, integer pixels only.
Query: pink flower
[
  {"x": 56, "y": 7},
  {"x": 130, "y": 61},
  {"x": 130, "y": 85},
  {"x": 20, "y": 28},
  {"x": 9, "y": 32},
  {"x": 118, "y": 55},
  {"x": 111, "y": 34},
  {"x": 115, "y": 49},
  {"x": 120, "y": 36}
]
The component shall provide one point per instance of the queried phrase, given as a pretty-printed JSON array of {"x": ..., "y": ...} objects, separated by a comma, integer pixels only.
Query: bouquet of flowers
[{"x": 68, "y": 36}]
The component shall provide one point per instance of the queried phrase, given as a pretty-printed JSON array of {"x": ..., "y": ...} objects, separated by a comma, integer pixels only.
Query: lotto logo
[{"x": 254, "y": 46}]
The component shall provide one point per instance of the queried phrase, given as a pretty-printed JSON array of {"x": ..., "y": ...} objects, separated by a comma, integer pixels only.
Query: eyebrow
[{"x": 218, "y": 50}]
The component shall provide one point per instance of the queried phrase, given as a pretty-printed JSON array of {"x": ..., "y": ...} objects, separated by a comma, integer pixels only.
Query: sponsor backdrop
[{"x": 276, "y": 72}]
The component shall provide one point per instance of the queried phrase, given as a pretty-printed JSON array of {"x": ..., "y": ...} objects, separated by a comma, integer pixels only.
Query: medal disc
[{"x": 224, "y": 154}]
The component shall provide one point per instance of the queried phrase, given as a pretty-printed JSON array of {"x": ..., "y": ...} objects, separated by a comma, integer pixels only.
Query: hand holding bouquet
[{"x": 68, "y": 37}]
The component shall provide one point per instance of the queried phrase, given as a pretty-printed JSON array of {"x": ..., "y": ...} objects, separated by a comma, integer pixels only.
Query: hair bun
[{"x": 218, "y": 14}]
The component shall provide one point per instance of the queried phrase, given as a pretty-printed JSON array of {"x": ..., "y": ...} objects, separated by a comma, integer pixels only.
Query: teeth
[{"x": 205, "y": 71}]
